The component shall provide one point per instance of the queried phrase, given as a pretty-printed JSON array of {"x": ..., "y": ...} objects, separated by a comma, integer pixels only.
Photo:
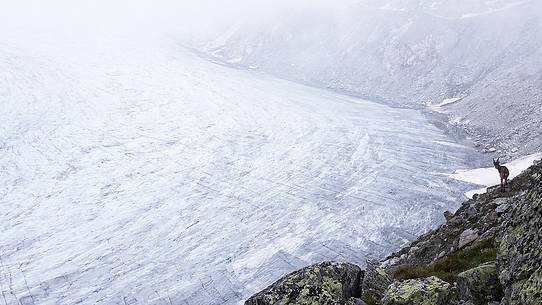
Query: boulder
[
  {"x": 375, "y": 282},
  {"x": 448, "y": 215},
  {"x": 467, "y": 237},
  {"x": 480, "y": 285},
  {"x": 471, "y": 212},
  {"x": 492, "y": 216},
  {"x": 428, "y": 291},
  {"x": 502, "y": 208},
  {"x": 328, "y": 283}
]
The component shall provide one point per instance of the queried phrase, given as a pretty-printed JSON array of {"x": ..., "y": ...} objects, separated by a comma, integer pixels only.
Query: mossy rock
[
  {"x": 375, "y": 282},
  {"x": 528, "y": 291},
  {"x": 450, "y": 266},
  {"x": 428, "y": 291},
  {"x": 480, "y": 285},
  {"x": 328, "y": 283},
  {"x": 520, "y": 250}
]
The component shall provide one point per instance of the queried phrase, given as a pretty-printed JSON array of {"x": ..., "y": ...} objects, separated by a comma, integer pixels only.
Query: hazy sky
[{"x": 65, "y": 16}]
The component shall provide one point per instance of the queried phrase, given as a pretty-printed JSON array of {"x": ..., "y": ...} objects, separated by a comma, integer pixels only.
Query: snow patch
[
  {"x": 488, "y": 176},
  {"x": 446, "y": 102}
]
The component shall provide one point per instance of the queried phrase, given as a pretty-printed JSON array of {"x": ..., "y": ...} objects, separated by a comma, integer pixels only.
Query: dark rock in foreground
[
  {"x": 480, "y": 285},
  {"x": 375, "y": 282},
  {"x": 328, "y": 283},
  {"x": 520, "y": 250},
  {"x": 428, "y": 291}
]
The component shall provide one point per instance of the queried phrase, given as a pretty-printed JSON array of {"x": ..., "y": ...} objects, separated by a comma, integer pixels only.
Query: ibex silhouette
[{"x": 503, "y": 172}]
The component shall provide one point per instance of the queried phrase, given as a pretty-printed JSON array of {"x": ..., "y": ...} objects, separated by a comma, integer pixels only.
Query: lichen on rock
[
  {"x": 520, "y": 250},
  {"x": 375, "y": 282},
  {"x": 428, "y": 291},
  {"x": 480, "y": 285},
  {"x": 328, "y": 283}
]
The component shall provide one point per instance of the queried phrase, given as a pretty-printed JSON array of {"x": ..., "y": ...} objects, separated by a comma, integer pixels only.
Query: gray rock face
[
  {"x": 428, "y": 291},
  {"x": 467, "y": 237},
  {"x": 502, "y": 208},
  {"x": 480, "y": 285},
  {"x": 375, "y": 282},
  {"x": 520, "y": 251},
  {"x": 326, "y": 284}
]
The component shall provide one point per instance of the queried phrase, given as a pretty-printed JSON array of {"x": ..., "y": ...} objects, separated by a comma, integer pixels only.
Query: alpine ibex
[{"x": 503, "y": 172}]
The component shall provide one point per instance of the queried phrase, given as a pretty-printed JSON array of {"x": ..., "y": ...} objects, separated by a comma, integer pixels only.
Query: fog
[
  {"x": 188, "y": 18},
  {"x": 198, "y": 16},
  {"x": 206, "y": 19}
]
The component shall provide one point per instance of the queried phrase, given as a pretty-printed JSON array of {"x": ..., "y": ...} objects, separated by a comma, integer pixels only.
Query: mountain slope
[{"x": 487, "y": 54}]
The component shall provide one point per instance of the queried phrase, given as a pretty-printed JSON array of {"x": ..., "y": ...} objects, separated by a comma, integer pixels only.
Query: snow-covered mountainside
[
  {"x": 486, "y": 55},
  {"x": 134, "y": 172}
]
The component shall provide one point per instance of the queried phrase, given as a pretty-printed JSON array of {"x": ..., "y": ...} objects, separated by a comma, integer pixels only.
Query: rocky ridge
[{"x": 488, "y": 252}]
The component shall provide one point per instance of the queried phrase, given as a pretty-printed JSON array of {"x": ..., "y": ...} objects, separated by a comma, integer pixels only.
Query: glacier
[{"x": 136, "y": 172}]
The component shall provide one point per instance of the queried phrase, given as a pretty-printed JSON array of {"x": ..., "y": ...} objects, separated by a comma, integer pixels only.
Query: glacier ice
[{"x": 143, "y": 174}]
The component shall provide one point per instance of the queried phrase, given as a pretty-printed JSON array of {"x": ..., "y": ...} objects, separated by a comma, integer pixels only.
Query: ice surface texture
[{"x": 142, "y": 174}]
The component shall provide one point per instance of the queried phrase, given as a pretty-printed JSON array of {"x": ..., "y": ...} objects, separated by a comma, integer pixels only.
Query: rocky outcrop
[
  {"x": 488, "y": 252},
  {"x": 485, "y": 217},
  {"x": 428, "y": 291},
  {"x": 467, "y": 237},
  {"x": 520, "y": 250},
  {"x": 328, "y": 283},
  {"x": 514, "y": 220},
  {"x": 480, "y": 285},
  {"x": 375, "y": 282}
]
